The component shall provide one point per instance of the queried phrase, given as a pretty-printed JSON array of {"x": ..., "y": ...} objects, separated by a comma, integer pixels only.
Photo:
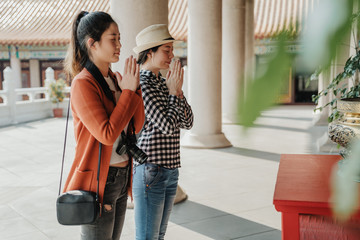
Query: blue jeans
[
  {"x": 110, "y": 224},
  {"x": 154, "y": 190}
]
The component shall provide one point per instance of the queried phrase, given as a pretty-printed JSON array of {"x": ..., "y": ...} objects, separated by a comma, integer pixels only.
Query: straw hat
[{"x": 152, "y": 36}]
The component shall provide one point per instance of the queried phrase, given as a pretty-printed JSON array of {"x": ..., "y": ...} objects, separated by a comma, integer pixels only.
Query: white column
[
  {"x": 321, "y": 118},
  {"x": 186, "y": 83},
  {"x": 324, "y": 144},
  {"x": 249, "y": 41},
  {"x": 15, "y": 64},
  {"x": 233, "y": 58},
  {"x": 204, "y": 62},
  {"x": 49, "y": 76},
  {"x": 132, "y": 16},
  {"x": 34, "y": 73},
  {"x": 337, "y": 66},
  {"x": 354, "y": 41},
  {"x": 9, "y": 86}
]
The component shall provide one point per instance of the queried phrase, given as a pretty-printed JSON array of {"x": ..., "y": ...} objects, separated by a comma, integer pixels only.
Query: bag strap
[
  {"x": 63, "y": 157},
  {"x": 98, "y": 173}
]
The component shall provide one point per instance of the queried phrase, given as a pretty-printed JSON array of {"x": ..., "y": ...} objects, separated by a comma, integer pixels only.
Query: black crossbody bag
[{"x": 77, "y": 207}]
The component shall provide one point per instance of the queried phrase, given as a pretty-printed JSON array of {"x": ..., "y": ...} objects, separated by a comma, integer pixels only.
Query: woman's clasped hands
[
  {"x": 175, "y": 79},
  {"x": 130, "y": 79}
]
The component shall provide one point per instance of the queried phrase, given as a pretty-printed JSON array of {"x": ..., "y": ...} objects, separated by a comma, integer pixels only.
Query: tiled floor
[{"x": 230, "y": 190}]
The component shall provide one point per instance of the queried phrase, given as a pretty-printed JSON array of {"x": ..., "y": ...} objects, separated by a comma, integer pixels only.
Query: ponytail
[{"x": 86, "y": 25}]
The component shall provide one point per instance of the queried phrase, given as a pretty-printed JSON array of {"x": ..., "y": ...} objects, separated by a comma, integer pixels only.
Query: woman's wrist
[
  {"x": 173, "y": 93},
  {"x": 180, "y": 94}
]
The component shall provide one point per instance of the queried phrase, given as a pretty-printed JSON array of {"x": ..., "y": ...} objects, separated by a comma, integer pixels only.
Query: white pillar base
[
  {"x": 320, "y": 119},
  {"x": 191, "y": 140},
  {"x": 230, "y": 118},
  {"x": 324, "y": 144}
]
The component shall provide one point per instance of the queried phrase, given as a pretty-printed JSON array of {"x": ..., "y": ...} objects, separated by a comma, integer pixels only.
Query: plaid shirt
[{"x": 165, "y": 115}]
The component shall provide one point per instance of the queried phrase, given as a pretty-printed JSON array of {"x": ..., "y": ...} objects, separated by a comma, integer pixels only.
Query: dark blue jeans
[
  {"x": 110, "y": 224},
  {"x": 154, "y": 190}
]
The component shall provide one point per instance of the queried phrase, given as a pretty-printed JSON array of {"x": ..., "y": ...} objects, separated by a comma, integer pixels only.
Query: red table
[{"x": 302, "y": 190}]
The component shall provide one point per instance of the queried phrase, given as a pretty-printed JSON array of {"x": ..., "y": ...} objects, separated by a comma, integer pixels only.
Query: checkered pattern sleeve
[
  {"x": 186, "y": 117},
  {"x": 160, "y": 108},
  {"x": 160, "y": 136}
]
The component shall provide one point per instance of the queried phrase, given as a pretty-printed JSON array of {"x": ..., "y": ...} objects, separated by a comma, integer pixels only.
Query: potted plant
[
  {"x": 344, "y": 119},
  {"x": 339, "y": 87},
  {"x": 57, "y": 95}
]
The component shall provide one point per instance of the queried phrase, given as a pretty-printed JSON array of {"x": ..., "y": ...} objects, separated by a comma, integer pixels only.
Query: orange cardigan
[{"x": 96, "y": 118}]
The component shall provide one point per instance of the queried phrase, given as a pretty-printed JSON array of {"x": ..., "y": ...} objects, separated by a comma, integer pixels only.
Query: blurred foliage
[
  {"x": 320, "y": 40},
  {"x": 263, "y": 91},
  {"x": 326, "y": 28},
  {"x": 345, "y": 196}
]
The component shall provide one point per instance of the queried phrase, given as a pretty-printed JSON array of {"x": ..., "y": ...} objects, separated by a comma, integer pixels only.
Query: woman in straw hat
[{"x": 166, "y": 110}]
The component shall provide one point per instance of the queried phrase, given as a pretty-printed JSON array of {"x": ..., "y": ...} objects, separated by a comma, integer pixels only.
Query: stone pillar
[
  {"x": 34, "y": 73},
  {"x": 9, "y": 86},
  {"x": 204, "y": 62},
  {"x": 324, "y": 144},
  {"x": 15, "y": 64},
  {"x": 132, "y": 16},
  {"x": 249, "y": 41},
  {"x": 186, "y": 83},
  {"x": 49, "y": 78},
  {"x": 321, "y": 118},
  {"x": 354, "y": 41},
  {"x": 233, "y": 58}
]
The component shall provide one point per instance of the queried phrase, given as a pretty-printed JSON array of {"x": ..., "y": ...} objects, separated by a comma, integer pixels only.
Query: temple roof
[
  {"x": 46, "y": 22},
  {"x": 41, "y": 22},
  {"x": 273, "y": 16}
]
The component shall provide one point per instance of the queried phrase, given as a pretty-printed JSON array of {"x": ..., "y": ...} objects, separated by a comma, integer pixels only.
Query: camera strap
[
  {"x": 95, "y": 72},
  {"x": 123, "y": 135},
  {"x": 131, "y": 127}
]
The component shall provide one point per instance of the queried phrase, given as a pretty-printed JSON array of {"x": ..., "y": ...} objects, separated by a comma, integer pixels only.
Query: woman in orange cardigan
[{"x": 104, "y": 104}]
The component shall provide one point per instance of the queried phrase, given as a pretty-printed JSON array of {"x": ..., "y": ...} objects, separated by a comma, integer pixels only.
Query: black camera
[{"x": 127, "y": 145}]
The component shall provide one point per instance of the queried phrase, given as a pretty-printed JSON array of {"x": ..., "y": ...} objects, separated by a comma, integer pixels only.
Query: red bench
[{"x": 302, "y": 195}]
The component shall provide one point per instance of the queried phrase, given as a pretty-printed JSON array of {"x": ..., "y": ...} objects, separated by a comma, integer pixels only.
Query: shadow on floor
[
  {"x": 288, "y": 118},
  {"x": 250, "y": 153},
  {"x": 279, "y": 128},
  {"x": 217, "y": 224}
]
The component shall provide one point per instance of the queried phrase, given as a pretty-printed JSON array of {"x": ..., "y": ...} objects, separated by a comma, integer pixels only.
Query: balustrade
[{"x": 25, "y": 104}]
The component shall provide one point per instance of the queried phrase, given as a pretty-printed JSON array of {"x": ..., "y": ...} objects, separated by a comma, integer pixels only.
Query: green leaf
[{"x": 264, "y": 90}]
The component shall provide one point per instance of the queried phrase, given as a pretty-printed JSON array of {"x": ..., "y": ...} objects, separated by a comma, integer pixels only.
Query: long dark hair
[
  {"x": 86, "y": 25},
  {"x": 143, "y": 55}
]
